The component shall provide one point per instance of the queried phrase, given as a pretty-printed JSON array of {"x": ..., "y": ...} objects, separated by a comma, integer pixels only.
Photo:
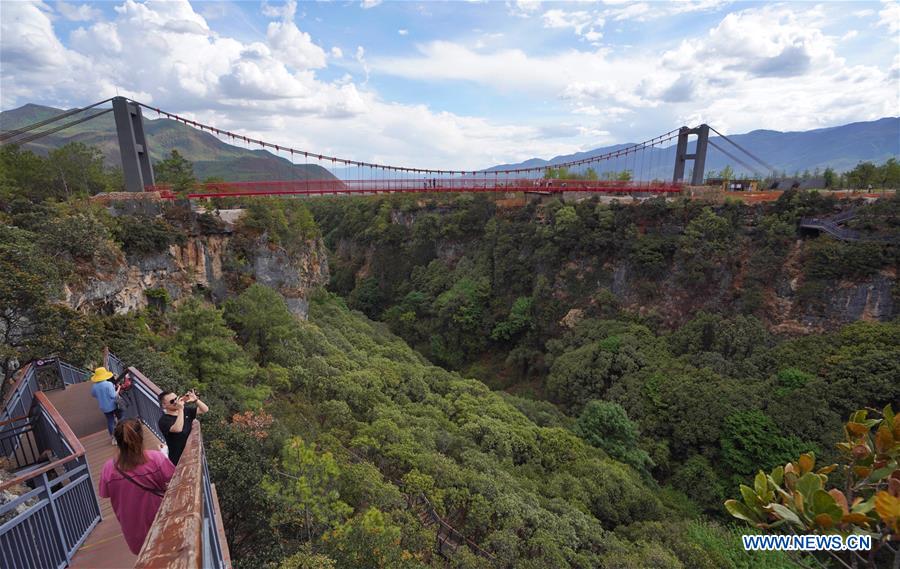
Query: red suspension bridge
[{"x": 636, "y": 169}]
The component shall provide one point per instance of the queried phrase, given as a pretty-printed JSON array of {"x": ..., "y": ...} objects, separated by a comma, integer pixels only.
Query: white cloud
[
  {"x": 265, "y": 89},
  {"x": 366, "y": 4},
  {"x": 361, "y": 59},
  {"x": 592, "y": 35},
  {"x": 286, "y": 11},
  {"x": 294, "y": 47},
  {"x": 889, "y": 17},
  {"x": 767, "y": 67},
  {"x": 34, "y": 58},
  {"x": 849, "y": 35},
  {"x": 82, "y": 13},
  {"x": 578, "y": 20},
  {"x": 403, "y": 32},
  {"x": 623, "y": 10},
  {"x": 523, "y": 8}
]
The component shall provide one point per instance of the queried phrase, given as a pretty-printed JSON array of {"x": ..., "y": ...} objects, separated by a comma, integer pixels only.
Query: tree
[
  {"x": 829, "y": 177},
  {"x": 77, "y": 170},
  {"x": 307, "y": 488},
  {"x": 27, "y": 278},
  {"x": 863, "y": 175},
  {"x": 262, "y": 321},
  {"x": 306, "y": 559},
  {"x": 751, "y": 440},
  {"x": 177, "y": 171},
  {"x": 705, "y": 245},
  {"x": 205, "y": 349},
  {"x": 519, "y": 320},
  {"x": 864, "y": 497},
  {"x": 605, "y": 425},
  {"x": 240, "y": 456},
  {"x": 369, "y": 541},
  {"x": 565, "y": 218},
  {"x": 24, "y": 174},
  {"x": 889, "y": 174},
  {"x": 727, "y": 173},
  {"x": 700, "y": 482}
]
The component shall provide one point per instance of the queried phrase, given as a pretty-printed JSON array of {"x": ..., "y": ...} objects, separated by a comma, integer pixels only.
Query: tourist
[
  {"x": 135, "y": 482},
  {"x": 175, "y": 424},
  {"x": 105, "y": 393}
]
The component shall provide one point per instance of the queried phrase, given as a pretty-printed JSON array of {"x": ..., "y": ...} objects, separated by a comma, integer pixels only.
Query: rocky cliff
[
  {"x": 785, "y": 306},
  {"x": 202, "y": 262}
]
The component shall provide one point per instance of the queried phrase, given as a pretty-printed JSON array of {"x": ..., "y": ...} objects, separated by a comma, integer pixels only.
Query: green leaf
[
  {"x": 864, "y": 507},
  {"x": 740, "y": 511},
  {"x": 760, "y": 484},
  {"x": 750, "y": 497},
  {"x": 824, "y": 503},
  {"x": 790, "y": 480},
  {"x": 881, "y": 473},
  {"x": 778, "y": 475},
  {"x": 785, "y": 513},
  {"x": 808, "y": 484}
]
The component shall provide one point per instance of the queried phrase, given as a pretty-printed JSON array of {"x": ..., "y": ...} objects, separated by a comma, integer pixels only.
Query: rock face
[
  {"x": 197, "y": 265},
  {"x": 293, "y": 276}
]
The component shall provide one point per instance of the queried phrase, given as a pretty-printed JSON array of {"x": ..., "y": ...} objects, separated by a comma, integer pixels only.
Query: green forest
[{"x": 486, "y": 360}]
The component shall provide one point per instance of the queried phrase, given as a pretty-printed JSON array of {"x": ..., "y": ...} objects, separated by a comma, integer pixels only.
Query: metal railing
[
  {"x": 46, "y": 524},
  {"x": 447, "y": 538},
  {"x": 18, "y": 401},
  {"x": 141, "y": 402},
  {"x": 112, "y": 363},
  {"x": 187, "y": 532},
  {"x": 831, "y": 228},
  {"x": 831, "y": 225}
]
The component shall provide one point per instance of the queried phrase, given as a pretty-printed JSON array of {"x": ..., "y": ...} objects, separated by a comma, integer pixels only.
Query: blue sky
[{"x": 462, "y": 84}]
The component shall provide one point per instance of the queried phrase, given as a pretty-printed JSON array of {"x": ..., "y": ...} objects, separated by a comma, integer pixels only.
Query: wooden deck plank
[{"x": 78, "y": 408}]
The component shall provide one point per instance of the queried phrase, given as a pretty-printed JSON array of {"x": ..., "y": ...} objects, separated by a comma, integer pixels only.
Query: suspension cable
[
  {"x": 16, "y": 132},
  {"x": 44, "y": 133},
  {"x": 744, "y": 150},
  {"x": 733, "y": 157},
  {"x": 661, "y": 138}
]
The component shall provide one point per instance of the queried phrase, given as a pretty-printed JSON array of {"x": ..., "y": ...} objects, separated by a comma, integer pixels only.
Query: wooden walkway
[{"x": 105, "y": 548}]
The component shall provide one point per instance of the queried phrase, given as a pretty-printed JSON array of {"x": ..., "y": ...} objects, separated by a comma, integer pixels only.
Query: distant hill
[
  {"x": 840, "y": 147},
  {"x": 211, "y": 156}
]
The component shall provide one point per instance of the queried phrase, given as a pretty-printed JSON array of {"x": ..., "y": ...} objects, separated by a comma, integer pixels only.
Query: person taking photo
[{"x": 177, "y": 419}]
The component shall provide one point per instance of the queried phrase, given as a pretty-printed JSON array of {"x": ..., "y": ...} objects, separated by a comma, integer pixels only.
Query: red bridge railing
[{"x": 487, "y": 184}]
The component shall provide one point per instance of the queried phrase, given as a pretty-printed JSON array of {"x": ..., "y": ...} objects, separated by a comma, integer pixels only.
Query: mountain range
[
  {"x": 789, "y": 153},
  {"x": 211, "y": 156}
]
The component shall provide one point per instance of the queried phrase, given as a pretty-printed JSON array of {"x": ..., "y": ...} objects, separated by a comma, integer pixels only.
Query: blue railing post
[{"x": 60, "y": 534}]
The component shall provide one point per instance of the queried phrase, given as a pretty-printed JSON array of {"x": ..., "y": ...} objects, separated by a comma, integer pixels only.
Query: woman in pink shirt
[{"x": 135, "y": 482}]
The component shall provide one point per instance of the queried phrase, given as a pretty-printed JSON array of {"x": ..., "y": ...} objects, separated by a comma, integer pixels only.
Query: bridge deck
[{"x": 105, "y": 548}]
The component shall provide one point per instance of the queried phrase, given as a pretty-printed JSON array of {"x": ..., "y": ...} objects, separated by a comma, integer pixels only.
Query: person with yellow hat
[{"x": 105, "y": 394}]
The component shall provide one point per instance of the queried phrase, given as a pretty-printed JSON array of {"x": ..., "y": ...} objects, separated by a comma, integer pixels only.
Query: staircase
[
  {"x": 53, "y": 437},
  {"x": 832, "y": 226}
]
